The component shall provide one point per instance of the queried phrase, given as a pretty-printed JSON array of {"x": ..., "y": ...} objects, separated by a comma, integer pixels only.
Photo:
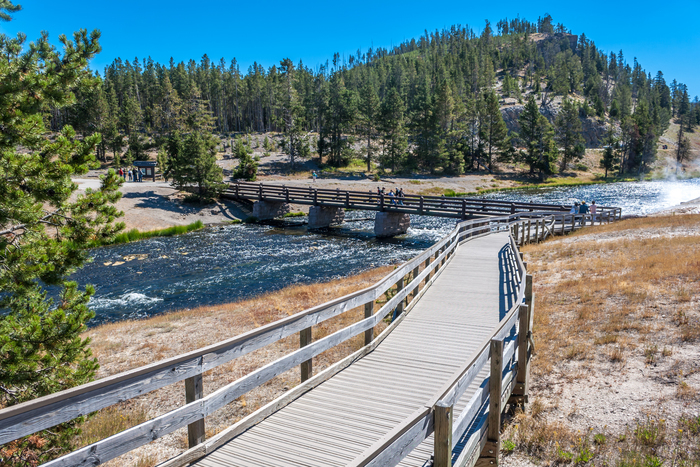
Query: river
[{"x": 222, "y": 264}]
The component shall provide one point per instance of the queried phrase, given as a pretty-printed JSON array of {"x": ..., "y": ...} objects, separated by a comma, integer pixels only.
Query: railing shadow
[{"x": 509, "y": 280}]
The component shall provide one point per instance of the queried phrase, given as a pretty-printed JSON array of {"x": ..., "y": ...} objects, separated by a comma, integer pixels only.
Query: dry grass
[
  {"x": 110, "y": 421},
  {"x": 126, "y": 345},
  {"x": 617, "y": 328}
]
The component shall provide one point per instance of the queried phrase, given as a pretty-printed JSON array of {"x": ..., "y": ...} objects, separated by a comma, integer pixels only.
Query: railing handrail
[{"x": 254, "y": 189}]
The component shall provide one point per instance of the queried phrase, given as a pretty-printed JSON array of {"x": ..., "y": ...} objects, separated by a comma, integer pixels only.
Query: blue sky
[{"x": 663, "y": 36}]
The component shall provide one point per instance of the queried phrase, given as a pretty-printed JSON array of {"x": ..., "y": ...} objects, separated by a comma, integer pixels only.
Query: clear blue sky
[{"x": 662, "y": 35}]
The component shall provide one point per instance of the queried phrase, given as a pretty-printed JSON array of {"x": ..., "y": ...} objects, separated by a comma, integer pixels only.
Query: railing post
[
  {"x": 381, "y": 202},
  {"x": 492, "y": 448},
  {"x": 529, "y": 300},
  {"x": 307, "y": 366},
  {"x": 347, "y": 199},
  {"x": 415, "y": 274},
  {"x": 537, "y": 230},
  {"x": 369, "y": 334},
  {"x": 421, "y": 205},
  {"x": 315, "y": 197},
  {"x": 464, "y": 209},
  {"x": 529, "y": 226},
  {"x": 194, "y": 390},
  {"x": 427, "y": 265},
  {"x": 522, "y": 381},
  {"x": 400, "y": 307},
  {"x": 286, "y": 194},
  {"x": 237, "y": 188},
  {"x": 442, "y": 438}
]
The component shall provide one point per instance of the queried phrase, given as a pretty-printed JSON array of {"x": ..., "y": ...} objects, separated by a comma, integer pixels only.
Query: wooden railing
[
  {"x": 460, "y": 208},
  {"x": 410, "y": 280}
]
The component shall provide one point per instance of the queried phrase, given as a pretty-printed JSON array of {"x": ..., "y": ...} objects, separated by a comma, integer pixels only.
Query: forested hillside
[{"x": 434, "y": 104}]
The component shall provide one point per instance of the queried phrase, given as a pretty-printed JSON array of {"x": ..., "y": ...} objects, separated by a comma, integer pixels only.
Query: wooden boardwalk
[
  {"x": 338, "y": 421},
  {"x": 432, "y": 385}
]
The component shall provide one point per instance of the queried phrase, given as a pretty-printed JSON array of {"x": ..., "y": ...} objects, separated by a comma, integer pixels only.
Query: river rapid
[{"x": 222, "y": 264}]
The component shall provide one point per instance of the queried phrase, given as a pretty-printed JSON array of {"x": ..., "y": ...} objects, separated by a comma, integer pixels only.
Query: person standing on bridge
[
  {"x": 584, "y": 208},
  {"x": 314, "y": 175},
  {"x": 391, "y": 196}
]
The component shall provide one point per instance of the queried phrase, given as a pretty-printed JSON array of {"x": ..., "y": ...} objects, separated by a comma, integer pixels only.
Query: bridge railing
[
  {"x": 431, "y": 205},
  {"x": 410, "y": 280}
]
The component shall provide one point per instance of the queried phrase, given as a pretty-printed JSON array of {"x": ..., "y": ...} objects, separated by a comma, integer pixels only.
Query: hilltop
[{"x": 447, "y": 103}]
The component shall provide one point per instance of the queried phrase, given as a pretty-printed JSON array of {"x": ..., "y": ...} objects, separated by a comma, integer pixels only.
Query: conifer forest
[{"x": 432, "y": 104}]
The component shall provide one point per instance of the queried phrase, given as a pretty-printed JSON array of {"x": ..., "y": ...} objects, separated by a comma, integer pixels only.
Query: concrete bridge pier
[
  {"x": 266, "y": 210},
  {"x": 325, "y": 216},
  {"x": 388, "y": 224}
]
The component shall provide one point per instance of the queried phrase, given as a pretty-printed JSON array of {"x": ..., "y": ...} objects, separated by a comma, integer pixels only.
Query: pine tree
[
  {"x": 368, "y": 113},
  {"x": 341, "y": 113},
  {"x": 492, "y": 131},
  {"x": 192, "y": 161},
  {"x": 7, "y": 7},
  {"x": 162, "y": 160},
  {"x": 247, "y": 167},
  {"x": 569, "y": 134},
  {"x": 422, "y": 126},
  {"x": 536, "y": 133},
  {"x": 610, "y": 153},
  {"x": 45, "y": 230},
  {"x": 292, "y": 112},
  {"x": 393, "y": 131},
  {"x": 440, "y": 144},
  {"x": 131, "y": 115}
]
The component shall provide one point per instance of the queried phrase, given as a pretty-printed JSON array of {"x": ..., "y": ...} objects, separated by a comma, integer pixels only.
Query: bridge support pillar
[
  {"x": 388, "y": 224},
  {"x": 266, "y": 210},
  {"x": 324, "y": 216}
]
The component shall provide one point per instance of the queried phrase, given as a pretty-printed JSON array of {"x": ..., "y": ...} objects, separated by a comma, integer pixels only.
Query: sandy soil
[{"x": 157, "y": 205}]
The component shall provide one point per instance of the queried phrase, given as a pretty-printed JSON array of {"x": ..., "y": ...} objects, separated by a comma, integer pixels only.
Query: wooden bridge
[
  {"x": 327, "y": 206},
  {"x": 428, "y": 390}
]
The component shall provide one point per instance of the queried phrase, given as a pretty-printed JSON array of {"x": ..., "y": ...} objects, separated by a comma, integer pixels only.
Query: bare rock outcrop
[{"x": 593, "y": 130}]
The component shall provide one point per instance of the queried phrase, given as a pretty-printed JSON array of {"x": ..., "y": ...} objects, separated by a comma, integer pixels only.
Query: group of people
[
  {"x": 583, "y": 208},
  {"x": 395, "y": 196},
  {"x": 131, "y": 175}
]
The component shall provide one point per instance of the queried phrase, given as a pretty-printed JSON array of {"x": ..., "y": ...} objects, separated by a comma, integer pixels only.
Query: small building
[{"x": 148, "y": 167}]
